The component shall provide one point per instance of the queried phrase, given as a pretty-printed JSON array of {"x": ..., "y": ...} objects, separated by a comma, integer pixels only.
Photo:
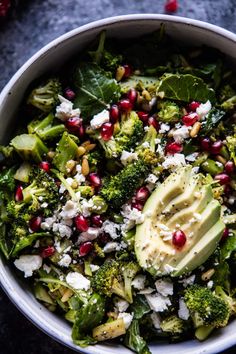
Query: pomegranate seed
[
  {"x": 45, "y": 165},
  {"x": 205, "y": 144},
  {"x": 152, "y": 121},
  {"x": 225, "y": 234},
  {"x": 223, "y": 178},
  {"x": 190, "y": 119},
  {"x": 132, "y": 95},
  {"x": 69, "y": 94},
  {"x": 4, "y": 7},
  {"x": 229, "y": 167},
  {"x": 19, "y": 194},
  {"x": 96, "y": 220},
  {"x": 94, "y": 179},
  {"x": 35, "y": 223},
  {"x": 73, "y": 124},
  {"x": 85, "y": 249},
  {"x": 125, "y": 105},
  {"x": 142, "y": 194},
  {"x": 128, "y": 71},
  {"x": 47, "y": 252},
  {"x": 81, "y": 131},
  {"x": 137, "y": 205},
  {"x": 107, "y": 131},
  {"x": 143, "y": 116},
  {"x": 179, "y": 239},
  {"x": 193, "y": 106},
  {"x": 171, "y": 6},
  {"x": 216, "y": 147},
  {"x": 114, "y": 113},
  {"x": 81, "y": 223},
  {"x": 173, "y": 148}
]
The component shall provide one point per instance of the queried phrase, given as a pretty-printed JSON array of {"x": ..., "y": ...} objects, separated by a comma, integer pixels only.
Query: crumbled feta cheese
[
  {"x": 183, "y": 311},
  {"x": 168, "y": 269},
  {"x": 99, "y": 119},
  {"x": 57, "y": 245},
  {"x": 195, "y": 170},
  {"x": 89, "y": 235},
  {"x": 46, "y": 268},
  {"x": 86, "y": 206},
  {"x": 44, "y": 205},
  {"x": 210, "y": 284},
  {"x": 164, "y": 287},
  {"x": 65, "y": 261},
  {"x": 192, "y": 157},
  {"x": 79, "y": 177},
  {"x": 127, "y": 318},
  {"x": 111, "y": 247},
  {"x": 174, "y": 161},
  {"x": 188, "y": 281},
  {"x": 146, "y": 291},
  {"x": 164, "y": 128},
  {"x": 94, "y": 267},
  {"x": 63, "y": 230},
  {"x": 180, "y": 134},
  {"x": 139, "y": 282},
  {"x": 111, "y": 228},
  {"x": 28, "y": 263},
  {"x": 120, "y": 304},
  {"x": 203, "y": 109},
  {"x": 151, "y": 178},
  {"x": 77, "y": 281},
  {"x": 156, "y": 320},
  {"x": 62, "y": 189},
  {"x": 127, "y": 157},
  {"x": 157, "y": 302},
  {"x": 69, "y": 210},
  {"x": 65, "y": 110},
  {"x": 146, "y": 144}
]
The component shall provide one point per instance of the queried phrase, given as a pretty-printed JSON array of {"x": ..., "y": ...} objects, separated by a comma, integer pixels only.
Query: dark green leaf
[
  {"x": 185, "y": 88},
  {"x": 94, "y": 89},
  {"x": 211, "y": 121},
  {"x": 134, "y": 341},
  {"x": 228, "y": 247},
  {"x": 140, "y": 307}
]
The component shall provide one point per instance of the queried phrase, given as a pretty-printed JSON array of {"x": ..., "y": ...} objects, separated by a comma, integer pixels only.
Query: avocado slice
[{"x": 182, "y": 202}]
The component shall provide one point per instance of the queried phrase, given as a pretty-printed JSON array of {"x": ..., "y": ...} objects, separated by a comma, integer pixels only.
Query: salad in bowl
[{"x": 118, "y": 192}]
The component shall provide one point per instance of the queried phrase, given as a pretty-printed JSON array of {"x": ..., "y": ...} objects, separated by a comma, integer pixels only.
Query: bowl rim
[{"x": 5, "y": 283}]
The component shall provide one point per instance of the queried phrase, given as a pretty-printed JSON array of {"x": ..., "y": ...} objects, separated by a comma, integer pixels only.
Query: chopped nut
[
  {"x": 120, "y": 71},
  {"x": 51, "y": 154},
  {"x": 85, "y": 167},
  {"x": 146, "y": 95},
  {"x": 74, "y": 184},
  {"x": 221, "y": 159},
  {"x": 208, "y": 274},
  {"x": 195, "y": 129},
  {"x": 70, "y": 165},
  {"x": 85, "y": 143},
  {"x": 80, "y": 151},
  {"x": 90, "y": 147},
  {"x": 67, "y": 294}
]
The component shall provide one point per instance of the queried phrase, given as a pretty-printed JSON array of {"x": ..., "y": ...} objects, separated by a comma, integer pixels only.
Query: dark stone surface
[{"x": 30, "y": 26}]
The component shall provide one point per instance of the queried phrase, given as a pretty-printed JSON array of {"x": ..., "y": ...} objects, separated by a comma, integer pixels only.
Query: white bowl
[{"x": 52, "y": 56}]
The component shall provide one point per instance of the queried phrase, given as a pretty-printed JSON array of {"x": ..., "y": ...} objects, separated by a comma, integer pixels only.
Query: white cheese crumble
[
  {"x": 173, "y": 161},
  {"x": 157, "y": 302},
  {"x": 168, "y": 269},
  {"x": 127, "y": 157},
  {"x": 210, "y": 284},
  {"x": 69, "y": 210},
  {"x": 77, "y": 281},
  {"x": 120, "y": 304},
  {"x": 65, "y": 110},
  {"x": 28, "y": 263},
  {"x": 132, "y": 217},
  {"x": 192, "y": 157},
  {"x": 111, "y": 247},
  {"x": 65, "y": 261},
  {"x": 156, "y": 320},
  {"x": 46, "y": 268},
  {"x": 127, "y": 318},
  {"x": 203, "y": 109},
  {"x": 183, "y": 311},
  {"x": 63, "y": 230},
  {"x": 164, "y": 287},
  {"x": 99, "y": 119},
  {"x": 89, "y": 235},
  {"x": 94, "y": 267},
  {"x": 188, "y": 281},
  {"x": 111, "y": 228},
  {"x": 139, "y": 282},
  {"x": 180, "y": 134},
  {"x": 164, "y": 128},
  {"x": 151, "y": 178}
]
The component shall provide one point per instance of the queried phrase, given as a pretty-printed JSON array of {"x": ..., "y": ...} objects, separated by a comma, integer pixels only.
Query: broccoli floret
[
  {"x": 230, "y": 300},
  {"x": 29, "y": 147},
  {"x": 207, "y": 310},
  {"x": 116, "y": 190},
  {"x": 174, "y": 326},
  {"x": 98, "y": 205},
  {"x": 169, "y": 112},
  {"x": 46, "y": 129},
  {"x": 146, "y": 149},
  {"x": 45, "y": 97},
  {"x": 115, "y": 277}
]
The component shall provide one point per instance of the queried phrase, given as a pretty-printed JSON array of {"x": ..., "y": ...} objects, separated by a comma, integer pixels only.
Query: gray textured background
[{"x": 30, "y": 26}]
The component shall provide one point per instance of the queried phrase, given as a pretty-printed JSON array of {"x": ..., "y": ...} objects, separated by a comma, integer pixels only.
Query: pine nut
[
  {"x": 146, "y": 95},
  {"x": 67, "y": 294},
  {"x": 90, "y": 147},
  {"x": 85, "y": 167},
  {"x": 51, "y": 154},
  {"x": 85, "y": 143},
  {"x": 221, "y": 159},
  {"x": 208, "y": 274},
  {"x": 120, "y": 71},
  {"x": 195, "y": 129},
  {"x": 80, "y": 151},
  {"x": 70, "y": 165},
  {"x": 74, "y": 184}
]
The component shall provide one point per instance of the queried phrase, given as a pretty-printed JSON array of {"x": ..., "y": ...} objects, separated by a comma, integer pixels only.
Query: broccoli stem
[
  {"x": 29, "y": 147},
  {"x": 45, "y": 128},
  {"x": 65, "y": 184},
  {"x": 203, "y": 332},
  {"x": 66, "y": 150}
]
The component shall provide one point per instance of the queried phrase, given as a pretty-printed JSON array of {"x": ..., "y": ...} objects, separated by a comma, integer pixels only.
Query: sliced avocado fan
[{"x": 181, "y": 202}]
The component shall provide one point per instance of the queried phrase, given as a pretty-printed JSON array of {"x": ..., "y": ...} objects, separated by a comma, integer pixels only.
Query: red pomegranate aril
[
  {"x": 137, "y": 205},
  {"x": 94, "y": 179},
  {"x": 142, "y": 194},
  {"x": 229, "y": 167},
  {"x": 69, "y": 94},
  {"x": 19, "y": 194},
  {"x": 152, "y": 121},
  {"x": 45, "y": 165},
  {"x": 96, "y": 220},
  {"x": 35, "y": 223},
  {"x": 179, "y": 239},
  {"x": 73, "y": 124},
  {"x": 47, "y": 252},
  {"x": 171, "y": 6},
  {"x": 81, "y": 131},
  {"x": 114, "y": 113},
  {"x": 190, "y": 119},
  {"x": 225, "y": 234},
  {"x": 216, "y": 147},
  {"x": 107, "y": 130},
  {"x": 128, "y": 71},
  {"x": 143, "y": 116},
  {"x": 132, "y": 95},
  {"x": 193, "y": 106},
  {"x": 205, "y": 144},
  {"x": 125, "y": 105},
  {"x": 173, "y": 148},
  {"x": 85, "y": 249},
  {"x": 223, "y": 178},
  {"x": 81, "y": 223}
]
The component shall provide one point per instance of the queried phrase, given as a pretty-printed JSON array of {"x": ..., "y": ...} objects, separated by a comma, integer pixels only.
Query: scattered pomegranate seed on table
[
  {"x": 81, "y": 223},
  {"x": 19, "y": 194},
  {"x": 179, "y": 239},
  {"x": 107, "y": 130},
  {"x": 85, "y": 249},
  {"x": 171, "y": 6},
  {"x": 35, "y": 223},
  {"x": 47, "y": 252}
]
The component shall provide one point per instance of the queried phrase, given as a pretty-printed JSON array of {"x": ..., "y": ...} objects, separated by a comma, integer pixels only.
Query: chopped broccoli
[
  {"x": 146, "y": 149},
  {"x": 174, "y": 326},
  {"x": 46, "y": 129},
  {"x": 45, "y": 97},
  {"x": 169, "y": 112},
  {"x": 29, "y": 147},
  {"x": 66, "y": 150},
  {"x": 228, "y": 298}
]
